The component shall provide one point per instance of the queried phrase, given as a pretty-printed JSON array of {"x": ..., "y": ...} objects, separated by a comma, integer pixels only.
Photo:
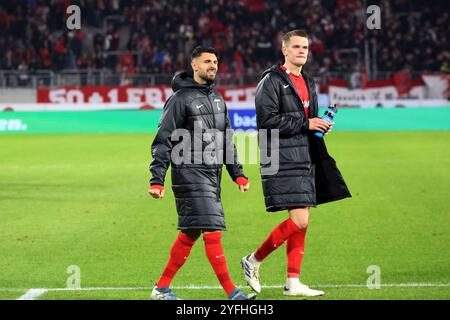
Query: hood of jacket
[{"x": 182, "y": 80}]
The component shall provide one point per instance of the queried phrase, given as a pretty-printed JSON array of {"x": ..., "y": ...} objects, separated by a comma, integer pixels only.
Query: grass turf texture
[{"x": 82, "y": 200}]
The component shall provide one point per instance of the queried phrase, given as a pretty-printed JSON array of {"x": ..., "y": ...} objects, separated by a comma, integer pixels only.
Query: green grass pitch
[{"x": 82, "y": 200}]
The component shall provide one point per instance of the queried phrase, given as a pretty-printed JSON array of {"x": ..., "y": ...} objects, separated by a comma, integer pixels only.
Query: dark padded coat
[
  {"x": 196, "y": 180},
  {"x": 307, "y": 174}
]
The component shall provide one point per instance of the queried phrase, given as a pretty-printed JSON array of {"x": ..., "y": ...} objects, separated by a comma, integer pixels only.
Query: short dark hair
[
  {"x": 297, "y": 32},
  {"x": 201, "y": 49}
]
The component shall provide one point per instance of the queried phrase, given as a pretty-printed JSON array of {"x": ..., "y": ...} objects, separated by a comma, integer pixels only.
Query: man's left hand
[{"x": 243, "y": 184}]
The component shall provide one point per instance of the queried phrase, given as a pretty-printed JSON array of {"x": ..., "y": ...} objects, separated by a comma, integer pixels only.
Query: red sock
[
  {"x": 276, "y": 238},
  {"x": 216, "y": 257},
  {"x": 295, "y": 247},
  {"x": 180, "y": 251}
]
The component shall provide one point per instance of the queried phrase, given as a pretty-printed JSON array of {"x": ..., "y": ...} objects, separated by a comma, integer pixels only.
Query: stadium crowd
[{"x": 156, "y": 36}]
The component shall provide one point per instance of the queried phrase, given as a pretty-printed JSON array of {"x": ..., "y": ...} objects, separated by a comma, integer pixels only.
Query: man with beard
[{"x": 195, "y": 108}]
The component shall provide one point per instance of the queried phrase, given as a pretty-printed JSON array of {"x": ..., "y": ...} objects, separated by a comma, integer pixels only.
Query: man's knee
[
  {"x": 301, "y": 224},
  {"x": 300, "y": 216}
]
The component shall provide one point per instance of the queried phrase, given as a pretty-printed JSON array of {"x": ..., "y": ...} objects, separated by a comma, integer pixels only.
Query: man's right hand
[
  {"x": 156, "y": 191},
  {"x": 318, "y": 124}
]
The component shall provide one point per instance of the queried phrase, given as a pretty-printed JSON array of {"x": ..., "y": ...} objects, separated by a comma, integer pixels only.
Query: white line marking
[
  {"x": 36, "y": 292},
  {"x": 32, "y": 294},
  {"x": 387, "y": 285},
  {"x": 66, "y": 166}
]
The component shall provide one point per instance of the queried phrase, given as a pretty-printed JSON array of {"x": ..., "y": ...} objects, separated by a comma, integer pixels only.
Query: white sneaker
[
  {"x": 251, "y": 273},
  {"x": 162, "y": 294},
  {"x": 299, "y": 289}
]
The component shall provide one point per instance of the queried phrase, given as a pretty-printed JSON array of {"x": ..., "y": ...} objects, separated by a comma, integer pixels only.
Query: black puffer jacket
[
  {"x": 301, "y": 154},
  {"x": 197, "y": 109}
]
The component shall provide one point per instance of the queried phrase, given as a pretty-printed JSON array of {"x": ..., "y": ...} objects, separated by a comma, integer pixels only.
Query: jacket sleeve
[
  {"x": 235, "y": 168},
  {"x": 268, "y": 115},
  {"x": 171, "y": 119}
]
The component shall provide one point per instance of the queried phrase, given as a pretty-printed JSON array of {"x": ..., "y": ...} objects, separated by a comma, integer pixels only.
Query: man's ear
[
  {"x": 283, "y": 50},
  {"x": 194, "y": 65}
]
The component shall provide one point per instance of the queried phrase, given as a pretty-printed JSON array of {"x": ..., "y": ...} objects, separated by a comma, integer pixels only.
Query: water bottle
[{"x": 328, "y": 117}]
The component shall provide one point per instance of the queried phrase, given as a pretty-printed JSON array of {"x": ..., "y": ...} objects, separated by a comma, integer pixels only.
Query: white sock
[
  {"x": 292, "y": 282},
  {"x": 253, "y": 260}
]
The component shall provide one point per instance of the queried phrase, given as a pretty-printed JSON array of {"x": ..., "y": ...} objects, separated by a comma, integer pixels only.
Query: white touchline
[
  {"x": 32, "y": 294},
  {"x": 66, "y": 166}
]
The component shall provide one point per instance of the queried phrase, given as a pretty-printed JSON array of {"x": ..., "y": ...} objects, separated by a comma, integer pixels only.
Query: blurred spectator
[
  {"x": 161, "y": 33},
  {"x": 127, "y": 66}
]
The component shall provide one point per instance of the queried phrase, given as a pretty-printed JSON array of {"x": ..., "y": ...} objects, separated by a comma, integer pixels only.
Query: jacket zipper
[{"x": 217, "y": 168}]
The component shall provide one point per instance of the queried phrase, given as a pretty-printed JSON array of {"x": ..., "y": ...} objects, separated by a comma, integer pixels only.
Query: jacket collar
[
  {"x": 184, "y": 79},
  {"x": 309, "y": 83}
]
